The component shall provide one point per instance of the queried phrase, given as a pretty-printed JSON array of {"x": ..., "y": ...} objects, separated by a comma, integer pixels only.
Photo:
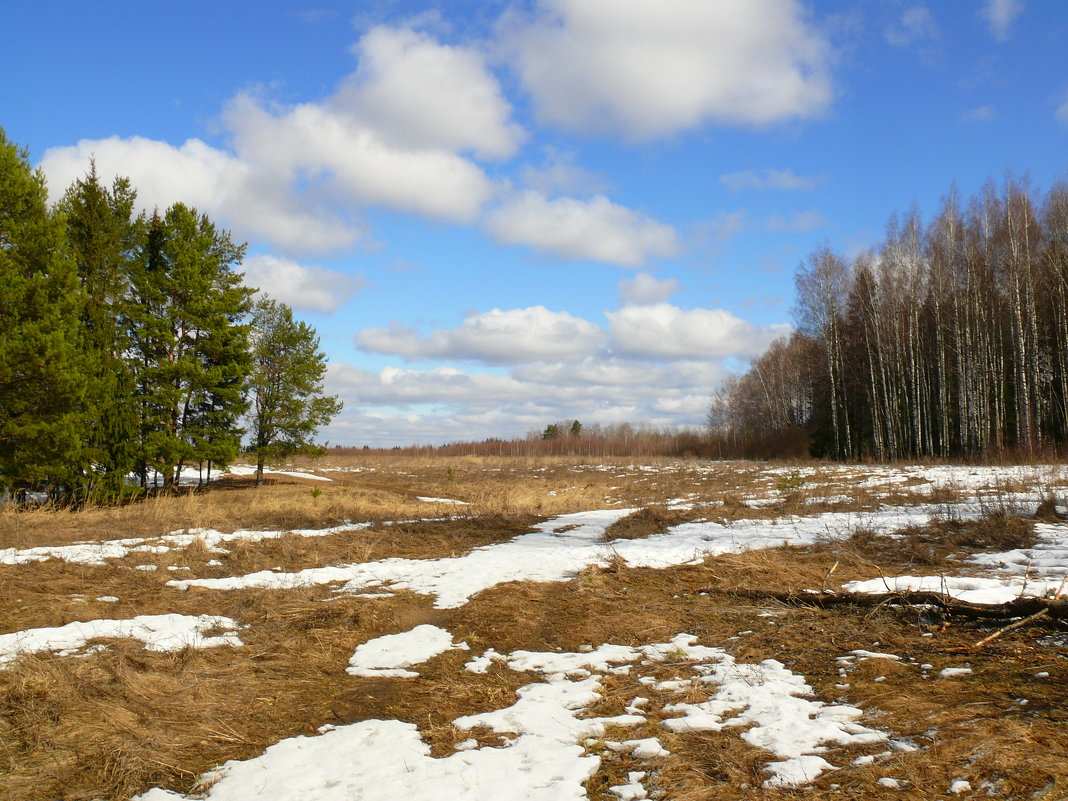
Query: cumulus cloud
[
  {"x": 423, "y": 94},
  {"x": 999, "y": 16},
  {"x": 769, "y": 179},
  {"x": 337, "y": 155},
  {"x": 648, "y": 70},
  {"x": 915, "y": 24},
  {"x": 624, "y": 374},
  {"x": 224, "y": 186},
  {"x": 595, "y": 229},
  {"x": 310, "y": 288},
  {"x": 659, "y": 365},
  {"x": 466, "y": 406},
  {"x": 395, "y": 134},
  {"x": 644, "y": 289},
  {"x": 513, "y": 336},
  {"x": 666, "y": 331}
]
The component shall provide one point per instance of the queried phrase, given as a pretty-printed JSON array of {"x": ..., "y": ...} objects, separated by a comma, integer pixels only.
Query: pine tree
[
  {"x": 41, "y": 384},
  {"x": 102, "y": 237},
  {"x": 286, "y": 384},
  {"x": 190, "y": 341}
]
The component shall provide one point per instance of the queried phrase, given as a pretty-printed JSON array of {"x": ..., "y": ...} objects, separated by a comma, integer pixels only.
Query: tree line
[
  {"x": 567, "y": 437},
  {"x": 948, "y": 340},
  {"x": 131, "y": 347}
]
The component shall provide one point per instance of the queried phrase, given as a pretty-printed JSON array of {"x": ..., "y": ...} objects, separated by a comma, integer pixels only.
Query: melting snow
[
  {"x": 545, "y": 759},
  {"x": 158, "y": 632},
  {"x": 549, "y": 553},
  {"x": 388, "y": 656},
  {"x": 976, "y": 590},
  {"x": 98, "y": 553}
]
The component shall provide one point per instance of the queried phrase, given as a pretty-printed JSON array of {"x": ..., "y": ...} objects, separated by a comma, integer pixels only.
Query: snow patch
[
  {"x": 389, "y": 655},
  {"x": 170, "y": 632}
]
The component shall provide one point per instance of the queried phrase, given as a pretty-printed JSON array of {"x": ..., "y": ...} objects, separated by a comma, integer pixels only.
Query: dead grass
[
  {"x": 647, "y": 521},
  {"x": 941, "y": 543},
  {"x": 122, "y": 720}
]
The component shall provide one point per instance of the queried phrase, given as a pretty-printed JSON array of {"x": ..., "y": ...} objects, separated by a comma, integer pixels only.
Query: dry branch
[{"x": 1017, "y": 607}]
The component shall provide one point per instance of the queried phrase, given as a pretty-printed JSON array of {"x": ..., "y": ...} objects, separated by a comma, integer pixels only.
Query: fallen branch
[
  {"x": 1011, "y": 626},
  {"x": 1056, "y": 609}
]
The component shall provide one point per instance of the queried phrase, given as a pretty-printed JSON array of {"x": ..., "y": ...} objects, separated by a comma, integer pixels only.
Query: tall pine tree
[
  {"x": 102, "y": 239},
  {"x": 41, "y": 383},
  {"x": 190, "y": 341}
]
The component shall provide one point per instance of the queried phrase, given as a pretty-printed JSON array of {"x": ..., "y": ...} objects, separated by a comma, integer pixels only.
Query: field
[{"x": 478, "y": 628}]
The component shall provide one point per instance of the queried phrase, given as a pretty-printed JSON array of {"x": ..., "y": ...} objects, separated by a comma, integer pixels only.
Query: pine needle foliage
[
  {"x": 42, "y": 382},
  {"x": 191, "y": 343}
]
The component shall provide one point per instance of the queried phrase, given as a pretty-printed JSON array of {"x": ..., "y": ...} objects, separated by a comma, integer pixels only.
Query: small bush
[{"x": 791, "y": 483}]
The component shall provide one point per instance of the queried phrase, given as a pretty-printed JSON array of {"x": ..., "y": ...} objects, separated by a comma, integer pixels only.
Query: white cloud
[
  {"x": 446, "y": 404},
  {"x": 514, "y": 336},
  {"x": 299, "y": 177},
  {"x": 999, "y": 16},
  {"x": 220, "y": 184},
  {"x": 915, "y": 25},
  {"x": 769, "y": 179},
  {"x": 660, "y": 367},
  {"x": 624, "y": 374},
  {"x": 666, "y": 331},
  {"x": 310, "y": 288},
  {"x": 644, "y": 289},
  {"x": 648, "y": 70},
  {"x": 594, "y": 229},
  {"x": 339, "y": 156},
  {"x": 422, "y": 94}
]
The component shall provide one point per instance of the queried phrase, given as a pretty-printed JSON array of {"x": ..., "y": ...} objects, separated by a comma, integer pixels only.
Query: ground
[{"x": 481, "y": 629}]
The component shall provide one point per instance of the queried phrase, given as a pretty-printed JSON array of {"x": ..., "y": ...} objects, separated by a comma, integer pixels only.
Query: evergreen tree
[
  {"x": 102, "y": 237},
  {"x": 41, "y": 384},
  {"x": 286, "y": 383},
  {"x": 190, "y": 343}
]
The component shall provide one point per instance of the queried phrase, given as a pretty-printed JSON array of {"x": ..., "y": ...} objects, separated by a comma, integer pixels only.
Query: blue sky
[{"x": 502, "y": 214}]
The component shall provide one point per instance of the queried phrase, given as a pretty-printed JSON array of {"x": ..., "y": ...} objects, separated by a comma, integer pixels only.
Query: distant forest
[{"x": 949, "y": 340}]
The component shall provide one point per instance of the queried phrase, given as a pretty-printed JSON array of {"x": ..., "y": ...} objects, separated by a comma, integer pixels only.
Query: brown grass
[
  {"x": 647, "y": 521},
  {"x": 122, "y": 720},
  {"x": 942, "y": 542}
]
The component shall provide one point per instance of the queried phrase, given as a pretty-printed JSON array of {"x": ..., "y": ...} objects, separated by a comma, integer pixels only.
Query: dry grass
[
  {"x": 942, "y": 543},
  {"x": 114, "y": 723},
  {"x": 647, "y": 521}
]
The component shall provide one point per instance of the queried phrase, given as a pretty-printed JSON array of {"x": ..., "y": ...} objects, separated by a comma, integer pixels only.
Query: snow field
[
  {"x": 552, "y": 746},
  {"x": 558, "y": 549}
]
